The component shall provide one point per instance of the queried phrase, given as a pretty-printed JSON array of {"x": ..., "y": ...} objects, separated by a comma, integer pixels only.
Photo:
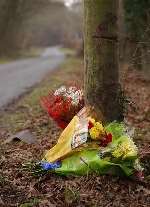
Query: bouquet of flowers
[
  {"x": 86, "y": 146},
  {"x": 63, "y": 104}
]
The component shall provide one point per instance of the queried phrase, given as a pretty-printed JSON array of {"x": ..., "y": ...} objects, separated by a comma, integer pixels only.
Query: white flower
[
  {"x": 76, "y": 96},
  {"x": 60, "y": 90},
  {"x": 71, "y": 92}
]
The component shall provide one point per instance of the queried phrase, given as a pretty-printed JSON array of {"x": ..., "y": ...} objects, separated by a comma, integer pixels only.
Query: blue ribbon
[{"x": 50, "y": 166}]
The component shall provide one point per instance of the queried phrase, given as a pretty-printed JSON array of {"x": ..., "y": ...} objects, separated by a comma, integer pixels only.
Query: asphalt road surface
[{"x": 18, "y": 76}]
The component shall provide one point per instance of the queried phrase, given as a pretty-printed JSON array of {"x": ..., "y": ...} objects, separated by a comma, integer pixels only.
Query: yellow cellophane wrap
[{"x": 63, "y": 146}]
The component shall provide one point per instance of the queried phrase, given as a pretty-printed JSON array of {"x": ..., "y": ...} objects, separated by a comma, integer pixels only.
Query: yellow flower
[
  {"x": 125, "y": 149},
  {"x": 99, "y": 127},
  {"x": 97, "y": 131},
  {"x": 94, "y": 133},
  {"x": 117, "y": 153}
]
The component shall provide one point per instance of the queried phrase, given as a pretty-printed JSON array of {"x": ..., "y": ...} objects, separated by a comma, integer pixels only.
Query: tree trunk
[{"x": 101, "y": 58}]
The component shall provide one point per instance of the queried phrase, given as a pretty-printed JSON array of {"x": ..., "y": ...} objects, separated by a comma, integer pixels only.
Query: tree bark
[{"x": 101, "y": 58}]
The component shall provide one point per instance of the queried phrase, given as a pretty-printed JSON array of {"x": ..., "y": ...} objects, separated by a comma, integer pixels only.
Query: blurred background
[
  {"x": 27, "y": 26},
  {"x": 33, "y": 24}
]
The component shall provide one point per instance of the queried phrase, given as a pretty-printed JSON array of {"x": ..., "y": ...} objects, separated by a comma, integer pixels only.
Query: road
[{"x": 18, "y": 76}]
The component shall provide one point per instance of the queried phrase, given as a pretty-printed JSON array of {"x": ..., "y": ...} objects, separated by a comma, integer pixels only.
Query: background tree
[
  {"x": 101, "y": 57},
  {"x": 51, "y": 21},
  {"x": 9, "y": 19},
  {"x": 137, "y": 24}
]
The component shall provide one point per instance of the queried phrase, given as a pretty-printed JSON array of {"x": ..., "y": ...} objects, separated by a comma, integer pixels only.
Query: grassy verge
[
  {"x": 4, "y": 60},
  {"x": 68, "y": 51},
  {"x": 31, "y": 53}
]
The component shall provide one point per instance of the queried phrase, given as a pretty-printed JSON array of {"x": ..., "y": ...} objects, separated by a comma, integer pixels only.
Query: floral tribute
[
  {"x": 63, "y": 104},
  {"x": 86, "y": 145}
]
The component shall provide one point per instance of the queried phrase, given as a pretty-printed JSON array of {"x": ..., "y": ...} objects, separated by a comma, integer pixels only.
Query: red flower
[
  {"x": 60, "y": 107},
  {"x": 90, "y": 125},
  {"x": 61, "y": 124},
  {"x": 58, "y": 99},
  {"x": 107, "y": 139},
  {"x": 67, "y": 105}
]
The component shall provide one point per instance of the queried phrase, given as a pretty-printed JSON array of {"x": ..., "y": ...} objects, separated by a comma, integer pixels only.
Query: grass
[
  {"x": 32, "y": 52},
  {"x": 68, "y": 51},
  {"x": 4, "y": 60},
  {"x": 28, "y": 107}
]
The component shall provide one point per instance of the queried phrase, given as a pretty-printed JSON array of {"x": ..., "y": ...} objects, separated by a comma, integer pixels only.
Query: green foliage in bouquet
[
  {"x": 90, "y": 161},
  {"x": 118, "y": 158}
]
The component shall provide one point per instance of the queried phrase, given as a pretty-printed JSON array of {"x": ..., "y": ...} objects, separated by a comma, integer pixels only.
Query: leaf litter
[{"x": 20, "y": 188}]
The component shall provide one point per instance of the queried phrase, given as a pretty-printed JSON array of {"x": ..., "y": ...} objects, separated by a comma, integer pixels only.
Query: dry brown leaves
[{"x": 18, "y": 187}]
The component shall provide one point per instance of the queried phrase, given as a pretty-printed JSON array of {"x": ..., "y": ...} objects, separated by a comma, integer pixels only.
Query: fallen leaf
[{"x": 25, "y": 136}]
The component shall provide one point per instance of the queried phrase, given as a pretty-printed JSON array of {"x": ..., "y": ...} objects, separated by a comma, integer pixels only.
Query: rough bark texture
[{"x": 101, "y": 57}]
